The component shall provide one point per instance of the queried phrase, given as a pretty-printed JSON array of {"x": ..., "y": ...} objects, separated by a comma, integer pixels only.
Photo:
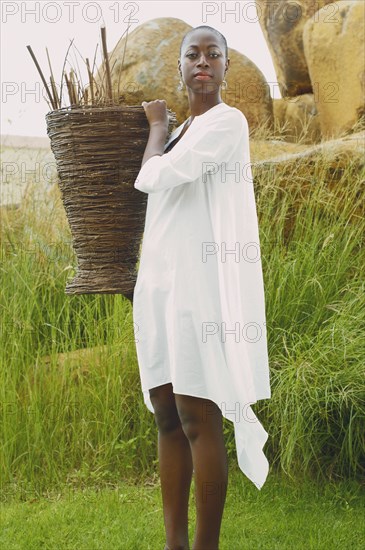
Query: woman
[{"x": 198, "y": 307}]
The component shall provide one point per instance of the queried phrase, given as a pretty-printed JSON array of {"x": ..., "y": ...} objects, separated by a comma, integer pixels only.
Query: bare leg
[
  {"x": 175, "y": 466},
  {"x": 202, "y": 423}
]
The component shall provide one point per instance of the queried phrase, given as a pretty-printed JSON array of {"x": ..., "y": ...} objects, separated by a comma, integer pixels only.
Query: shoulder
[
  {"x": 229, "y": 117},
  {"x": 236, "y": 114}
]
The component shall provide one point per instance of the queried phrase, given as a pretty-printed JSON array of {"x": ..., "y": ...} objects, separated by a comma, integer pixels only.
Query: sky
[{"x": 53, "y": 24}]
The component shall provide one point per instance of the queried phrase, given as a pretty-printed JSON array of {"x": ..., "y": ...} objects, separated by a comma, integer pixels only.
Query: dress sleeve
[{"x": 210, "y": 145}]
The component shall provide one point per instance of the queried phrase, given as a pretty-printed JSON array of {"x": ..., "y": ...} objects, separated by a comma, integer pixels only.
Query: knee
[
  {"x": 191, "y": 429},
  {"x": 166, "y": 417},
  {"x": 198, "y": 417},
  {"x": 167, "y": 421},
  {"x": 190, "y": 423}
]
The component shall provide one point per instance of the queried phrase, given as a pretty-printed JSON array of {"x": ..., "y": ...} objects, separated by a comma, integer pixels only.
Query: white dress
[{"x": 198, "y": 306}]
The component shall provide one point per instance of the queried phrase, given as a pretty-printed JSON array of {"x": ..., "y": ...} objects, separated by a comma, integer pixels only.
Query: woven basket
[{"x": 98, "y": 152}]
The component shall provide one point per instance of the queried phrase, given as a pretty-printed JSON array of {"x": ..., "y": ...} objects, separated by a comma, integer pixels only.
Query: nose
[
  {"x": 202, "y": 56},
  {"x": 202, "y": 61}
]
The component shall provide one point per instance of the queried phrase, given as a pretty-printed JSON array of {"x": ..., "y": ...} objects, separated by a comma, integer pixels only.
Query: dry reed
[{"x": 98, "y": 144}]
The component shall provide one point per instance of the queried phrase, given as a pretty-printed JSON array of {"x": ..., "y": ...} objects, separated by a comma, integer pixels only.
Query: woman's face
[{"x": 203, "y": 51}]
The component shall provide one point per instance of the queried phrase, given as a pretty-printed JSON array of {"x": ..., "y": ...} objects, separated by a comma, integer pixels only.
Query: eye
[{"x": 190, "y": 54}]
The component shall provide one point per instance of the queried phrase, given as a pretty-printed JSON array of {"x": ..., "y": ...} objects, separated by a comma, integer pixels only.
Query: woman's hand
[{"x": 156, "y": 112}]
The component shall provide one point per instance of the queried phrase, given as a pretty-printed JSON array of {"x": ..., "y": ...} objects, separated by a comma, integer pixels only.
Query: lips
[{"x": 203, "y": 74}]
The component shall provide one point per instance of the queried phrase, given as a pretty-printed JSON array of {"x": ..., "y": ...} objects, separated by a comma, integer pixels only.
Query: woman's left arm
[{"x": 156, "y": 142}]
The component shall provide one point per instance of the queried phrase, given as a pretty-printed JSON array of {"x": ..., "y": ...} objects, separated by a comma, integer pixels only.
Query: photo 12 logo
[
  {"x": 70, "y": 12},
  {"x": 237, "y": 252}
]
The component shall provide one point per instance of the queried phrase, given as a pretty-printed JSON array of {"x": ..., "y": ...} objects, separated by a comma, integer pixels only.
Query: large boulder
[
  {"x": 335, "y": 53},
  {"x": 294, "y": 172},
  {"x": 282, "y": 24},
  {"x": 296, "y": 118},
  {"x": 335, "y": 156},
  {"x": 149, "y": 70}
]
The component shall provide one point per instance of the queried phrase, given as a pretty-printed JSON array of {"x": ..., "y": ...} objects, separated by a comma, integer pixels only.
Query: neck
[{"x": 200, "y": 104}]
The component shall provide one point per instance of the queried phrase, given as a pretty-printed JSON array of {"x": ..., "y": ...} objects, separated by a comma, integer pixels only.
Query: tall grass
[{"x": 72, "y": 406}]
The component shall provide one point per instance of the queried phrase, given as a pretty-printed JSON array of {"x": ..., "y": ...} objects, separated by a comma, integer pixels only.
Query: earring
[
  {"x": 224, "y": 85},
  {"x": 180, "y": 86}
]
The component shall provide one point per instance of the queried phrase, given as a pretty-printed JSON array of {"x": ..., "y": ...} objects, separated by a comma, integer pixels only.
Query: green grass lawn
[
  {"x": 285, "y": 514},
  {"x": 71, "y": 407}
]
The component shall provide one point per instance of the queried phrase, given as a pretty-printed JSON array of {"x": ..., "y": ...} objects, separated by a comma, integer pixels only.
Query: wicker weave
[{"x": 98, "y": 152}]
